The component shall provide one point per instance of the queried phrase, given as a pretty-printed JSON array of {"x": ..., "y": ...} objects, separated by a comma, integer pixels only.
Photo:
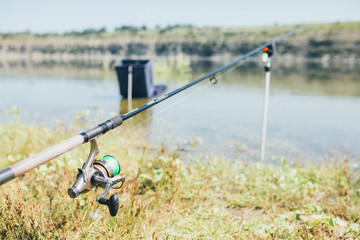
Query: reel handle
[{"x": 112, "y": 203}]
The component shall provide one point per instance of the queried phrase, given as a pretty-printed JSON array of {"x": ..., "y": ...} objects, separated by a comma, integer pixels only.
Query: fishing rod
[{"x": 105, "y": 172}]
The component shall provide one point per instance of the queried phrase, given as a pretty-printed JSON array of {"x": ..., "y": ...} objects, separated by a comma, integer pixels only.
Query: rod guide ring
[{"x": 213, "y": 79}]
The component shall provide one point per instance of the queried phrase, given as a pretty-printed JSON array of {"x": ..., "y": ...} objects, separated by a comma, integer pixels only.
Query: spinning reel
[{"x": 104, "y": 173}]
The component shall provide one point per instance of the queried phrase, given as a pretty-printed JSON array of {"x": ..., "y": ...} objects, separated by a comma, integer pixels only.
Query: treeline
[
  {"x": 207, "y": 49},
  {"x": 317, "y": 41},
  {"x": 314, "y": 49},
  {"x": 92, "y": 31}
]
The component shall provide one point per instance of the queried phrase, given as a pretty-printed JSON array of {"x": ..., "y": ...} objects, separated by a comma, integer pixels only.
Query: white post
[
  {"x": 130, "y": 87},
  {"x": 266, "y": 104}
]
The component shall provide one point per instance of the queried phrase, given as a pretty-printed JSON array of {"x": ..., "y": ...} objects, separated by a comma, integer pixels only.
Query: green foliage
[
  {"x": 131, "y": 29},
  {"x": 88, "y": 31},
  {"x": 115, "y": 48},
  {"x": 172, "y": 27},
  {"x": 136, "y": 48},
  {"x": 202, "y": 49},
  {"x": 320, "y": 48},
  {"x": 313, "y": 208}
]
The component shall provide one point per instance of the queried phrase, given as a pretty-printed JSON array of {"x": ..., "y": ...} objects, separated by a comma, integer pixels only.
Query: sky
[{"x": 53, "y": 16}]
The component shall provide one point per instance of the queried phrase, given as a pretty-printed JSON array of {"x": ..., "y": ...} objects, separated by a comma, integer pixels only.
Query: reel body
[{"x": 104, "y": 173}]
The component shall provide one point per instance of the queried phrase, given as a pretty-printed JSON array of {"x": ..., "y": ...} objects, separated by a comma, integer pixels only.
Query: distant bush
[
  {"x": 45, "y": 49},
  {"x": 320, "y": 43},
  {"x": 207, "y": 49},
  {"x": 87, "y": 31},
  {"x": 137, "y": 49},
  {"x": 115, "y": 48},
  {"x": 229, "y": 34},
  {"x": 166, "y": 48},
  {"x": 317, "y": 48},
  {"x": 131, "y": 29},
  {"x": 84, "y": 49},
  {"x": 286, "y": 47},
  {"x": 242, "y": 48},
  {"x": 202, "y": 49},
  {"x": 172, "y": 27}
]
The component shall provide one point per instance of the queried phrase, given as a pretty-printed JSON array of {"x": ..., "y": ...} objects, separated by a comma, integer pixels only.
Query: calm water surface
[{"x": 314, "y": 110}]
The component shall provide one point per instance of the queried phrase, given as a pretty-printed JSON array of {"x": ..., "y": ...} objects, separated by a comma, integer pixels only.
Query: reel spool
[
  {"x": 108, "y": 166},
  {"x": 104, "y": 173}
]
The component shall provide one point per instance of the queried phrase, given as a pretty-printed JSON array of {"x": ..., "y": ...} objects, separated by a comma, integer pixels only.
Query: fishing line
[
  {"x": 168, "y": 107},
  {"x": 232, "y": 68},
  {"x": 173, "y": 104},
  {"x": 192, "y": 93}
]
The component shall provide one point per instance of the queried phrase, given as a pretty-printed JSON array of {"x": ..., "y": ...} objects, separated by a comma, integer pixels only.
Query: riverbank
[
  {"x": 166, "y": 198},
  {"x": 323, "y": 42}
]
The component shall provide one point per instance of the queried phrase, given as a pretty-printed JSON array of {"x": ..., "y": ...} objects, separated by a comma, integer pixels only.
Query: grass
[{"x": 166, "y": 198}]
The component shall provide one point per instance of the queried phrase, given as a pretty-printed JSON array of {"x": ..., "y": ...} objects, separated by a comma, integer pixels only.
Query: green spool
[{"x": 110, "y": 164}]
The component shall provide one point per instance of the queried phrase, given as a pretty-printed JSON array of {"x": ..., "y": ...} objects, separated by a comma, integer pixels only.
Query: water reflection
[
  {"x": 127, "y": 106},
  {"x": 317, "y": 71},
  {"x": 314, "y": 108},
  {"x": 314, "y": 78},
  {"x": 91, "y": 69}
]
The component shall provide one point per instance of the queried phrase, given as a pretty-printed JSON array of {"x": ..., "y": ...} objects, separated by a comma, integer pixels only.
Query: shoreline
[{"x": 282, "y": 58}]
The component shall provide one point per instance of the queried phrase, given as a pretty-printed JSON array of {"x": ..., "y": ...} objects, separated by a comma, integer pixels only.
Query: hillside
[{"x": 336, "y": 41}]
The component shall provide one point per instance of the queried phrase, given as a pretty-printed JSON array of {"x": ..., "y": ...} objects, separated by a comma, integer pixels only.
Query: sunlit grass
[{"x": 165, "y": 198}]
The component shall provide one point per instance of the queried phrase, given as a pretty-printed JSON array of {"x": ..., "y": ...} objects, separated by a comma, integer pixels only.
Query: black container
[{"x": 142, "y": 78}]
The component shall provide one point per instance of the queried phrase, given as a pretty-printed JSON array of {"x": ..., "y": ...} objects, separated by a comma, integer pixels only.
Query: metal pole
[
  {"x": 130, "y": 87},
  {"x": 266, "y": 105}
]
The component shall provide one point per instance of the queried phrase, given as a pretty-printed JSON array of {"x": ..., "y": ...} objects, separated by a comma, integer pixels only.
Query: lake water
[{"x": 314, "y": 109}]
